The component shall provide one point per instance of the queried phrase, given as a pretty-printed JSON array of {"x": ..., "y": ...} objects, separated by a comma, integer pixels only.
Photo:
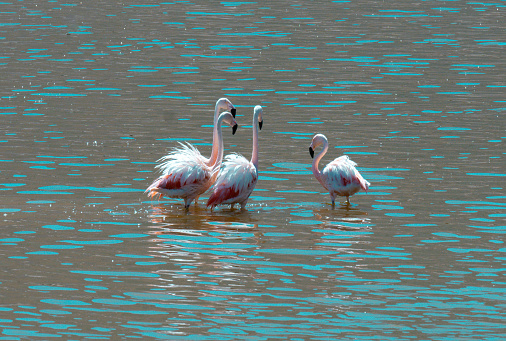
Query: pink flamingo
[
  {"x": 238, "y": 176},
  {"x": 222, "y": 104},
  {"x": 340, "y": 177},
  {"x": 185, "y": 172}
]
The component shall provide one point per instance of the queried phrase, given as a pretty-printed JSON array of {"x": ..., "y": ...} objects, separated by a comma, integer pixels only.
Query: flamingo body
[
  {"x": 339, "y": 177},
  {"x": 238, "y": 176},
  {"x": 235, "y": 183},
  {"x": 186, "y": 173}
]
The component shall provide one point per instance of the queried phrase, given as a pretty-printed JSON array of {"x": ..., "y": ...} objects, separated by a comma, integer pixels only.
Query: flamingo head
[
  {"x": 318, "y": 140},
  {"x": 229, "y": 119},
  {"x": 225, "y": 105},
  {"x": 258, "y": 111}
]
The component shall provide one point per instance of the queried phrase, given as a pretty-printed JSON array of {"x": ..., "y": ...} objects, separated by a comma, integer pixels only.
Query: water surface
[{"x": 92, "y": 94}]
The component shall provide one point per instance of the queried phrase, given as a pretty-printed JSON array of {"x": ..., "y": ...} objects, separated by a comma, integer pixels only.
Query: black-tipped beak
[
  {"x": 233, "y": 111},
  {"x": 311, "y": 152},
  {"x": 260, "y": 124},
  {"x": 234, "y": 129}
]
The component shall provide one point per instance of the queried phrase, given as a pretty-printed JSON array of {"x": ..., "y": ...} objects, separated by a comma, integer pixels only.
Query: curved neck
[
  {"x": 217, "y": 147},
  {"x": 214, "y": 152},
  {"x": 316, "y": 161},
  {"x": 254, "y": 153}
]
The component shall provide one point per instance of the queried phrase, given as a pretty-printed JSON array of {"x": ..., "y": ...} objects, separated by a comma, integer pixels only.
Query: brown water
[{"x": 93, "y": 93}]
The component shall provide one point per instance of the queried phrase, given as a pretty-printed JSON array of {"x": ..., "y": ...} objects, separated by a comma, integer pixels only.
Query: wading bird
[
  {"x": 339, "y": 177},
  {"x": 238, "y": 176},
  {"x": 185, "y": 173}
]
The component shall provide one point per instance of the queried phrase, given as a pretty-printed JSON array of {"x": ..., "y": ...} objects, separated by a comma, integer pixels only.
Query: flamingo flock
[{"x": 186, "y": 174}]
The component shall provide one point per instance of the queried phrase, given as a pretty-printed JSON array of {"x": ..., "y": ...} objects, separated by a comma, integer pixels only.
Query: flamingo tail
[{"x": 364, "y": 184}]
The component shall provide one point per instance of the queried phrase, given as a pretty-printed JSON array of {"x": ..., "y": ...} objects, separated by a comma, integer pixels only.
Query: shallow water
[{"x": 92, "y": 94}]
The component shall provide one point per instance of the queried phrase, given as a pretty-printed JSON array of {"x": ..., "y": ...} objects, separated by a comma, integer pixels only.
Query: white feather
[{"x": 239, "y": 175}]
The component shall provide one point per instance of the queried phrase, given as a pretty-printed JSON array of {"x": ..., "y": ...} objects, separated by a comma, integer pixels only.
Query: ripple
[{"x": 83, "y": 119}]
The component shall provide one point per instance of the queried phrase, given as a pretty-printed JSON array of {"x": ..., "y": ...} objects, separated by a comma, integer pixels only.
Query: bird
[
  {"x": 238, "y": 176},
  {"x": 339, "y": 177},
  {"x": 185, "y": 173},
  {"x": 222, "y": 104}
]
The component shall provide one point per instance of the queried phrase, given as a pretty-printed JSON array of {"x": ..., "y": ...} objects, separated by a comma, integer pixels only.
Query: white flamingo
[
  {"x": 339, "y": 177},
  {"x": 185, "y": 173},
  {"x": 238, "y": 176}
]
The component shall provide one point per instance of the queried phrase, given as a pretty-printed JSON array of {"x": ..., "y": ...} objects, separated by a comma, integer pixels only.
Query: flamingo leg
[{"x": 187, "y": 203}]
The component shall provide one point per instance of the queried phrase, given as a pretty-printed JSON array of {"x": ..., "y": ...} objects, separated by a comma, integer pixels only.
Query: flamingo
[
  {"x": 238, "y": 176},
  {"x": 185, "y": 173},
  {"x": 221, "y": 104},
  {"x": 340, "y": 177}
]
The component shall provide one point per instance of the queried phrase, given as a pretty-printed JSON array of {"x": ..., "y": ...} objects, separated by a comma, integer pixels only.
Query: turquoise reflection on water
[
  {"x": 114, "y": 273},
  {"x": 302, "y": 270},
  {"x": 58, "y": 227},
  {"x": 51, "y": 288}
]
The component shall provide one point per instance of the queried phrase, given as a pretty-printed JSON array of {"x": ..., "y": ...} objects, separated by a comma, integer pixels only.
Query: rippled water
[{"x": 93, "y": 93}]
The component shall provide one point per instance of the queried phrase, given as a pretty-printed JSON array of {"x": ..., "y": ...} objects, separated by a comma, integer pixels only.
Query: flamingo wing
[
  {"x": 184, "y": 174},
  {"x": 184, "y": 154},
  {"x": 342, "y": 177},
  {"x": 235, "y": 182}
]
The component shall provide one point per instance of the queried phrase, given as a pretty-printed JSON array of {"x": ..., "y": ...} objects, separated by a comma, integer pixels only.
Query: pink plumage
[
  {"x": 235, "y": 183},
  {"x": 222, "y": 195},
  {"x": 342, "y": 178},
  {"x": 339, "y": 177},
  {"x": 185, "y": 175}
]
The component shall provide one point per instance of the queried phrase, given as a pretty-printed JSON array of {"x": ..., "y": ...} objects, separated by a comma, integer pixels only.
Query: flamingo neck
[
  {"x": 316, "y": 161},
  {"x": 217, "y": 147},
  {"x": 214, "y": 152},
  {"x": 254, "y": 153}
]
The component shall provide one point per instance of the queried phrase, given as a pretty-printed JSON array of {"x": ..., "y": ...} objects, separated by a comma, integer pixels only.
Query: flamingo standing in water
[
  {"x": 223, "y": 104},
  {"x": 238, "y": 177},
  {"x": 340, "y": 177},
  {"x": 185, "y": 172}
]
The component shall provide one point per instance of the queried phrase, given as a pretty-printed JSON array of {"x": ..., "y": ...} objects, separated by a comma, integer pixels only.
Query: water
[{"x": 92, "y": 94}]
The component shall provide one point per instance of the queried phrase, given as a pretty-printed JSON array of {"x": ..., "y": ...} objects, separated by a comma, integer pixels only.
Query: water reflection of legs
[
  {"x": 166, "y": 216},
  {"x": 342, "y": 213}
]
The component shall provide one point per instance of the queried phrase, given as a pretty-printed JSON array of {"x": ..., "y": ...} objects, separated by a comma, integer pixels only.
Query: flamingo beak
[
  {"x": 234, "y": 128},
  {"x": 311, "y": 152},
  {"x": 233, "y": 111},
  {"x": 260, "y": 124}
]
